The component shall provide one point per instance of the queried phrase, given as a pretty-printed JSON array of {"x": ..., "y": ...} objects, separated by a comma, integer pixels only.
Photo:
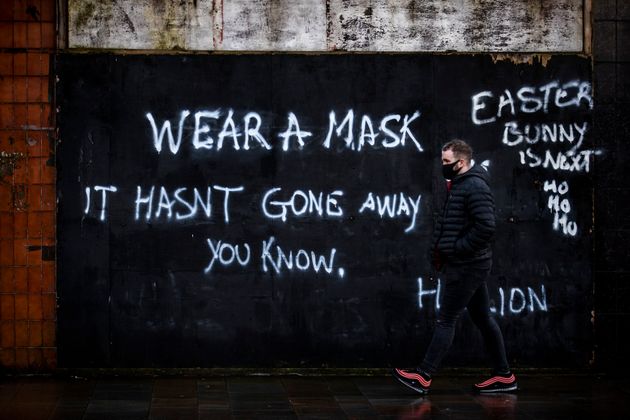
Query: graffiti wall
[{"x": 277, "y": 210}]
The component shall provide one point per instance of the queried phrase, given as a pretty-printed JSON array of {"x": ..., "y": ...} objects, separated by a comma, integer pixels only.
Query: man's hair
[{"x": 460, "y": 149}]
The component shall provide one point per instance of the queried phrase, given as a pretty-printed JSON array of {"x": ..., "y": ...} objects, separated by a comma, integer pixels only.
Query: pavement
[{"x": 541, "y": 396}]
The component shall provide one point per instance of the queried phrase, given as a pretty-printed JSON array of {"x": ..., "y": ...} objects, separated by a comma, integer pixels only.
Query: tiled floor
[{"x": 541, "y": 397}]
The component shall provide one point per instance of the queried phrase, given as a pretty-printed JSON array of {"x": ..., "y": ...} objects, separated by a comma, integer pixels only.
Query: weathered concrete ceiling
[{"x": 329, "y": 25}]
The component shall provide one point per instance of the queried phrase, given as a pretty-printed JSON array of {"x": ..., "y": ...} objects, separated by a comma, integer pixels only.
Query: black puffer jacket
[{"x": 465, "y": 228}]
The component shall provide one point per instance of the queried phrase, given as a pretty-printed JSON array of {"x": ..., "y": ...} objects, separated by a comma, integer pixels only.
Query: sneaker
[
  {"x": 498, "y": 383},
  {"x": 414, "y": 379}
]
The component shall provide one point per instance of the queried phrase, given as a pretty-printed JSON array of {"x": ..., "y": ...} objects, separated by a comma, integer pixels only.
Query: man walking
[{"x": 461, "y": 251}]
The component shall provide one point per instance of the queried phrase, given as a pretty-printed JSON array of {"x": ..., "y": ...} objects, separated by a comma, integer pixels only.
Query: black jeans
[{"x": 464, "y": 287}]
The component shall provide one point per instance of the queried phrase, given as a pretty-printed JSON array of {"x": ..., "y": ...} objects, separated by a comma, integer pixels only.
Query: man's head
[{"x": 456, "y": 157}]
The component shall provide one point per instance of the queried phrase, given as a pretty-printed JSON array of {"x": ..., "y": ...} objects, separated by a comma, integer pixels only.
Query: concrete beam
[
  {"x": 329, "y": 25},
  {"x": 459, "y": 25}
]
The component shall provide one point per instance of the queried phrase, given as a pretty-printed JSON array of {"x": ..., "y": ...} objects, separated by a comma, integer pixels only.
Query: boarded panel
[{"x": 218, "y": 211}]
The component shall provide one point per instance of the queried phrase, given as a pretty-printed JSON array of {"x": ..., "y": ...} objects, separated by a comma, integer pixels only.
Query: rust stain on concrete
[{"x": 217, "y": 24}]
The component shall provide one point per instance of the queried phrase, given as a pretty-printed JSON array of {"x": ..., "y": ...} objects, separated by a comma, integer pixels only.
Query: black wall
[
  {"x": 611, "y": 132},
  {"x": 133, "y": 292}
]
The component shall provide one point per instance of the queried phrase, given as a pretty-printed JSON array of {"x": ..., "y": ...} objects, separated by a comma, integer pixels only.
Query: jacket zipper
[{"x": 448, "y": 199}]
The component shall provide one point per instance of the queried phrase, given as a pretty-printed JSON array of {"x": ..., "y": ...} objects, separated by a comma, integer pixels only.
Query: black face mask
[{"x": 448, "y": 170}]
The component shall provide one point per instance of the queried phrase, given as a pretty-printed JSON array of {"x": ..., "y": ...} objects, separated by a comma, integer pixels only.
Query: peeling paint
[
  {"x": 522, "y": 58},
  {"x": 48, "y": 252},
  {"x": 9, "y": 161},
  {"x": 33, "y": 12},
  {"x": 19, "y": 194}
]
